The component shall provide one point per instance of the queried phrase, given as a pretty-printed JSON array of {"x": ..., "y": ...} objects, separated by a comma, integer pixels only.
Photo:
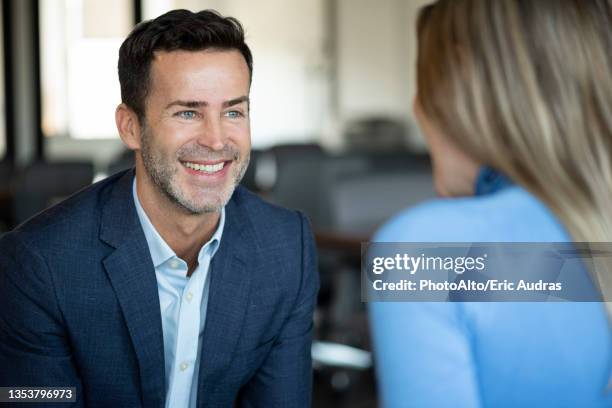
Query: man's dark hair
[{"x": 175, "y": 30}]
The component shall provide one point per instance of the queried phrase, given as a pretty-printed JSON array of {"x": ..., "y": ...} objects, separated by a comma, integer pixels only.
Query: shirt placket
[{"x": 187, "y": 339}]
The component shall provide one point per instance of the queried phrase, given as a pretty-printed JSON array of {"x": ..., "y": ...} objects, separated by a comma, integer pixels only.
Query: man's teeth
[{"x": 206, "y": 168}]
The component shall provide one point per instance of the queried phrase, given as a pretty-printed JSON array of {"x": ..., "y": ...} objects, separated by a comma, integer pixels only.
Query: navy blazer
[{"x": 79, "y": 304}]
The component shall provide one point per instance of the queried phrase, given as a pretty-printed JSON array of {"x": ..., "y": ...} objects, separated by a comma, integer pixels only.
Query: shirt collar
[
  {"x": 159, "y": 249},
  {"x": 489, "y": 181}
]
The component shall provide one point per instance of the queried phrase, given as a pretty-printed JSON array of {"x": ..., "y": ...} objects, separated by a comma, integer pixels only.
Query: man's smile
[
  {"x": 204, "y": 167},
  {"x": 208, "y": 170}
]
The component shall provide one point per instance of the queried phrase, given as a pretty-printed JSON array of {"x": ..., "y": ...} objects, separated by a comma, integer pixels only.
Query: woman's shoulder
[{"x": 511, "y": 214}]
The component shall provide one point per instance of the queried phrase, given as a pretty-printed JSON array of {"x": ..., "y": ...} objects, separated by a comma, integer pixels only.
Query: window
[{"x": 80, "y": 42}]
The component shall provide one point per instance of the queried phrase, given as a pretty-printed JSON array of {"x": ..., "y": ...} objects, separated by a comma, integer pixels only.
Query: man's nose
[{"x": 211, "y": 134}]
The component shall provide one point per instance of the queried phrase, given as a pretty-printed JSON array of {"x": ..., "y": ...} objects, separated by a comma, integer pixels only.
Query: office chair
[{"x": 43, "y": 184}]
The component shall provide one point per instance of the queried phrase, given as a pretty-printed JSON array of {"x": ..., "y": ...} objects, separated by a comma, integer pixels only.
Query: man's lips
[{"x": 204, "y": 162}]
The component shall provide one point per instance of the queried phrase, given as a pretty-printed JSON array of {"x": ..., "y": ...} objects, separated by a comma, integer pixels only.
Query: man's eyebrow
[
  {"x": 187, "y": 104},
  {"x": 197, "y": 104},
  {"x": 236, "y": 101}
]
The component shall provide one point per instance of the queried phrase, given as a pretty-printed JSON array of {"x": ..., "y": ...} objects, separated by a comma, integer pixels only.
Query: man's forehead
[
  {"x": 161, "y": 56},
  {"x": 198, "y": 79},
  {"x": 189, "y": 68},
  {"x": 224, "y": 65}
]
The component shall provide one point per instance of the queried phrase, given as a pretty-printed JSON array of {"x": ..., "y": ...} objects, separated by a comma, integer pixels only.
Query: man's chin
[{"x": 207, "y": 203}]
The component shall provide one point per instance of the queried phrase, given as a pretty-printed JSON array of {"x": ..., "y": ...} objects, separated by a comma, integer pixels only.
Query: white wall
[{"x": 376, "y": 58}]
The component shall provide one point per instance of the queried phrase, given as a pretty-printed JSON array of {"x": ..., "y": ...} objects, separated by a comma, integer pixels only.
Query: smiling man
[{"x": 168, "y": 284}]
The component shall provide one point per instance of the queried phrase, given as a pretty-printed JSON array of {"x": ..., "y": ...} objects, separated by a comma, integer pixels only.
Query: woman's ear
[{"x": 128, "y": 126}]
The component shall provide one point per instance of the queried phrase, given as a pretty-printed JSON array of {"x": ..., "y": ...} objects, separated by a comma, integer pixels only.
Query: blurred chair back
[
  {"x": 298, "y": 177},
  {"x": 398, "y": 161},
  {"x": 43, "y": 184},
  {"x": 6, "y": 195},
  {"x": 6, "y": 170},
  {"x": 123, "y": 161},
  {"x": 250, "y": 176},
  {"x": 334, "y": 169},
  {"x": 359, "y": 205},
  {"x": 376, "y": 134}
]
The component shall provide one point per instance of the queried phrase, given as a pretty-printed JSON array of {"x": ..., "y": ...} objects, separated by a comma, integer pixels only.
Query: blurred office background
[{"x": 332, "y": 131}]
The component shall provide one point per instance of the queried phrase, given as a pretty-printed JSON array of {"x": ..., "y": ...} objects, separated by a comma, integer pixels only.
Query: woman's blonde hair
[{"x": 525, "y": 86}]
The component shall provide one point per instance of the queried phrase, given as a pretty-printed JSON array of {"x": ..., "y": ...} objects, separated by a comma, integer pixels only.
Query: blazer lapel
[
  {"x": 230, "y": 284},
  {"x": 132, "y": 275}
]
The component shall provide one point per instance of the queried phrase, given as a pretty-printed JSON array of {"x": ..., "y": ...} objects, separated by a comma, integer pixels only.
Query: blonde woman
[{"x": 515, "y": 100}]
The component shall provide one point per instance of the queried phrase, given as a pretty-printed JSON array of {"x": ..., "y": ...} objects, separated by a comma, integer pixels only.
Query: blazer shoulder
[
  {"x": 270, "y": 222},
  {"x": 262, "y": 209}
]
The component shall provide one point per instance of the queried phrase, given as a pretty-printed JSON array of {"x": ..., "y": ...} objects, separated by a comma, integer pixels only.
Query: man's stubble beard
[{"x": 162, "y": 171}]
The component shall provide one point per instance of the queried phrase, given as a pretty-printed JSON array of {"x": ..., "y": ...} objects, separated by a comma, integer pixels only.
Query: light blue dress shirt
[
  {"x": 488, "y": 354},
  {"x": 183, "y": 302}
]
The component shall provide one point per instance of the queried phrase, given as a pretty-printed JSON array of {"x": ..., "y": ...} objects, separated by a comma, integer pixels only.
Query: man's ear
[{"x": 128, "y": 126}]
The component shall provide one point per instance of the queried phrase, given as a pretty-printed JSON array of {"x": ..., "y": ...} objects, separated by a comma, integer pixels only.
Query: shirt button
[
  {"x": 174, "y": 264},
  {"x": 189, "y": 296},
  {"x": 184, "y": 366}
]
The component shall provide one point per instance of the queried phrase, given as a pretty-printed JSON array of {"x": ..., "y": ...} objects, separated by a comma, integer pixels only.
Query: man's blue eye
[
  {"x": 187, "y": 114},
  {"x": 233, "y": 114}
]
